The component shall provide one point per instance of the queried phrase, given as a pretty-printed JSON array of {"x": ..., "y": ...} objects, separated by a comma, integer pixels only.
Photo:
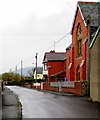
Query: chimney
[{"x": 52, "y": 51}]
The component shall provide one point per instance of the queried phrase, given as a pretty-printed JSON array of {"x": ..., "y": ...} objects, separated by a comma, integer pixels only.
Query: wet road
[{"x": 37, "y": 104}]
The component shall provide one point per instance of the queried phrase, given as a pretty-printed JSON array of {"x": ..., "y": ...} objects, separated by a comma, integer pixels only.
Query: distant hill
[{"x": 25, "y": 71}]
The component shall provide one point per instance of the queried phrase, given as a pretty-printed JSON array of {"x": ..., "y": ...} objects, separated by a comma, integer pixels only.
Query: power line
[
  {"x": 70, "y": 6},
  {"x": 55, "y": 42},
  {"x": 74, "y": 28},
  {"x": 68, "y": 32}
]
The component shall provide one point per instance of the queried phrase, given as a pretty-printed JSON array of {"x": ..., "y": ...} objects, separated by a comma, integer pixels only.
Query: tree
[
  {"x": 5, "y": 76},
  {"x": 10, "y": 76},
  {"x": 17, "y": 77},
  {"x": 0, "y": 77}
]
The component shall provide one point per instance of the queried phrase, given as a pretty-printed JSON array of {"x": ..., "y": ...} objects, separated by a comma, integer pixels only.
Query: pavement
[{"x": 11, "y": 107}]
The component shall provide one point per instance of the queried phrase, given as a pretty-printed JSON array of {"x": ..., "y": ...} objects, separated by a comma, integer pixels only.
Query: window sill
[{"x": 78, "y": 57}]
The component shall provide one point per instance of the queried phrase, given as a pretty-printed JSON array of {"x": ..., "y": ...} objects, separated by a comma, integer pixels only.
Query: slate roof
[
  {"x": 57, "y": 56},
  {"x": 91, "y": 9}
]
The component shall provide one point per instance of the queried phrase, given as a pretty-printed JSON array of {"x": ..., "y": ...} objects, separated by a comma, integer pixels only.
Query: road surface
[{"x": 36, "y": 104}]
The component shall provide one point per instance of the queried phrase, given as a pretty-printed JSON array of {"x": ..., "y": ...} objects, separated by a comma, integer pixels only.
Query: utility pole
[
  {"x": 54, "y": 46},
  {"x": 21, "y": 69},
  {"x": 16, "y": 69},
  {"x": 36, "y": 67}
]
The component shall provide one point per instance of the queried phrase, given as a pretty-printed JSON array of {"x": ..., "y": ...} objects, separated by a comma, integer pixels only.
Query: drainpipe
[{"x": 88, "y": 57}]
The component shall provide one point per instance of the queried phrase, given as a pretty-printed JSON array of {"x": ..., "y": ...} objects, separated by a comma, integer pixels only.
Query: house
[
  {"x": 95, "y": 67},
  {"x": 39, "y": 72},
  {"x": 74, "y": 65},
  {"x": 54, "y": 66},
  {"x": 85, "y": 24}
]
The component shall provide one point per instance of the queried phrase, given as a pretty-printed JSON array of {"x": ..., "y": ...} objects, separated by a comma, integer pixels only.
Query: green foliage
[
  {"x": 17, "y": 77},
  {"x": 10, "y": 76},
  {"x": 0, "y": 77},
  {"x": 27, "y": 80},
  {"x": 5, "y": 76},
  {"x": 13, "y": 82}
]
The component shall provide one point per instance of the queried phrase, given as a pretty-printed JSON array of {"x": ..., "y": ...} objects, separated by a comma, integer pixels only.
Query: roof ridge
[
  {"x": 89, "y": 2},
  {"x": 57, "y": 52}
]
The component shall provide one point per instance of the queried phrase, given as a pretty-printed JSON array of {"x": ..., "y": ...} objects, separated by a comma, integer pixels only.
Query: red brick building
[
  {"x": 85, "y": 23},
  {"x": 75, "y": 63},
  {"x": 54, "y": 66}
]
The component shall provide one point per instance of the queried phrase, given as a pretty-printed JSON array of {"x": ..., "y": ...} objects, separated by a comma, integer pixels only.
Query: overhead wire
[
  {"x": 73, "y": 28},
  {"x": 69, "y": 33}
]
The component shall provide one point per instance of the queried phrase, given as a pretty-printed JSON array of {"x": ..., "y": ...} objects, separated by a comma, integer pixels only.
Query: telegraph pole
[
  {"x": 21, "y": 69},
  {"x": 16, "y": 69},
  {"x": 54, "y": 46},
  {"x": 36, "y": 67}
]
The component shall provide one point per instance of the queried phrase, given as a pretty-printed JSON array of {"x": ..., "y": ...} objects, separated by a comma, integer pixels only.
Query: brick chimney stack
[{"x": 52, "y": 51}]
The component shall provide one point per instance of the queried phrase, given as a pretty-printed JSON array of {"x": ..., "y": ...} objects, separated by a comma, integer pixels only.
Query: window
[
  {"x": 79, "y": 41},
  {"x": 78, "y": 73}
]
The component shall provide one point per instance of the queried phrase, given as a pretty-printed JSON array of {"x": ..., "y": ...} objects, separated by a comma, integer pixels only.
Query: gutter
[{"x": 94, "y": 38}]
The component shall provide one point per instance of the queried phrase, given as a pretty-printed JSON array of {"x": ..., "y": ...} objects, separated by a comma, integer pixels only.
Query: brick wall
[
  {"x": 79, "y": 89},
  {"x": 46, "y": 86},
  {"x": 78, "y": 60},
  {"x": 55, "y": 67},
  {"x": 72, "y": 73}
]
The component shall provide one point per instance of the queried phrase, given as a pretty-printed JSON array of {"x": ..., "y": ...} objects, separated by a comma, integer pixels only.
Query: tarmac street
[{"x": 37, "y": 104}]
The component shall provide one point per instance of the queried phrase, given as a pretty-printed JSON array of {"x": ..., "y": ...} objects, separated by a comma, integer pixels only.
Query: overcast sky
[{"x": 28, "y": 27}]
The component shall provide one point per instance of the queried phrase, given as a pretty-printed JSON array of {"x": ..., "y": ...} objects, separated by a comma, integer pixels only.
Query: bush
[
  {"x": 13, "y": 82},
  {"x": 29, "y": 80}
]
